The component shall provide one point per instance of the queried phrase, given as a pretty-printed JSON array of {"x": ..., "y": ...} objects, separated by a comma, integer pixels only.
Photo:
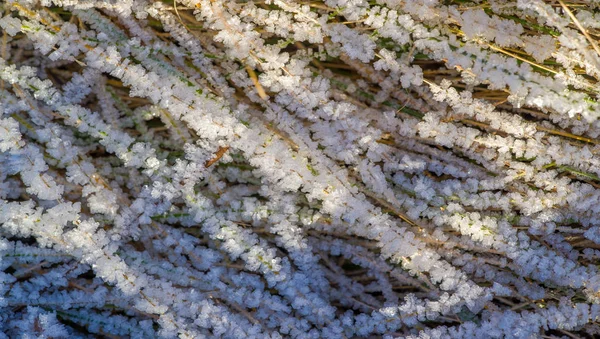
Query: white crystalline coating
[
  {"x": 10, "y": 136},
  {"x": 332, "y": 169},
  {"x": 10, "y": 25}
]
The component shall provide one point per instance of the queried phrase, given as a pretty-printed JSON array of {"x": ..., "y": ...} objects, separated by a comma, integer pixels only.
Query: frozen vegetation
[{"x": 299, "y": 169}]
